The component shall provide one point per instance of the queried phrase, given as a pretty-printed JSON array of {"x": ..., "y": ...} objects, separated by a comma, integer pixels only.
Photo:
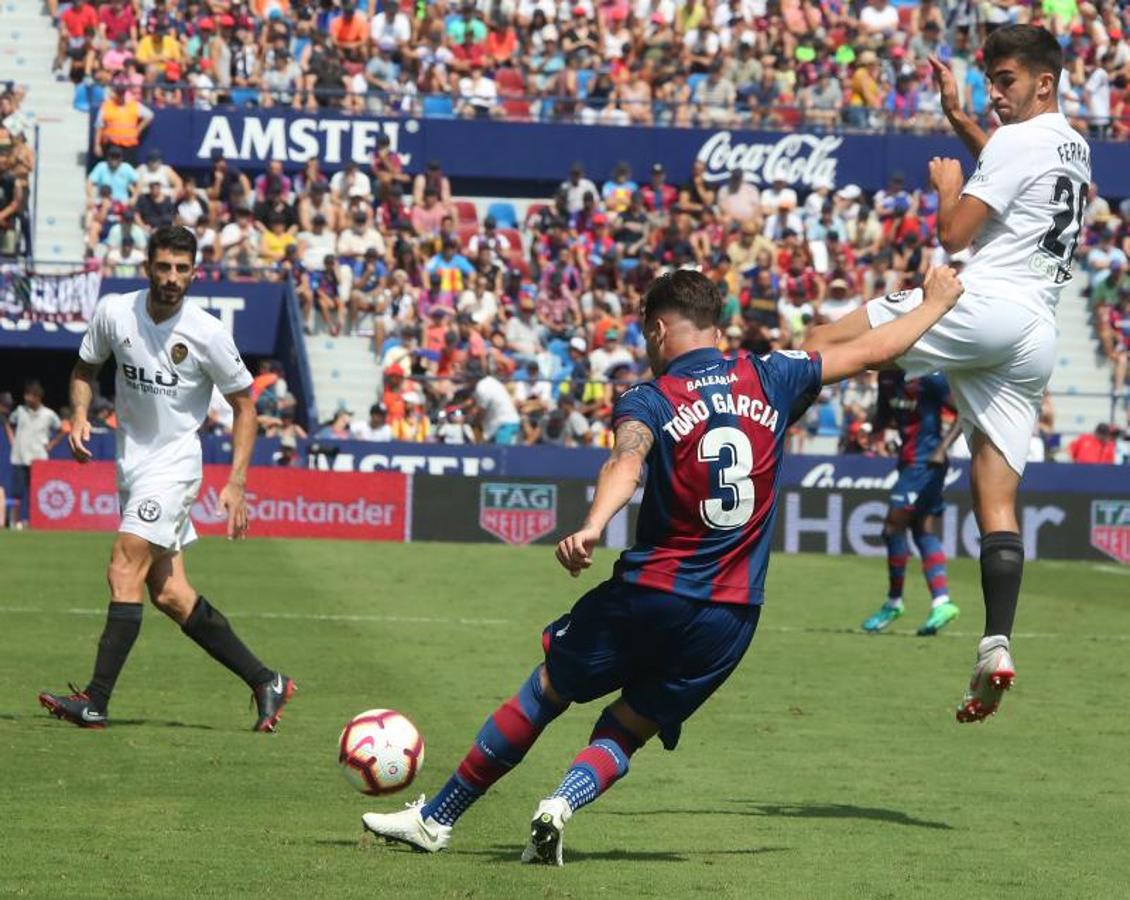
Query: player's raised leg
[
  {"x": 500, "y": 745},
  {"x": 171, "y": 592},
  {"x": 933, "y": 554},
  {"x": 130, "y": 559},
  {"x": 618, "y": 733},
  {"x": 995, "y": 485}
]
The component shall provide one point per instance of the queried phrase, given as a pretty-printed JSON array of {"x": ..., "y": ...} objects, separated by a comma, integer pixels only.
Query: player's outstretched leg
[
  {"x": 596, "y": 768},
  {"x": 500, "y": 745},
  {"x": 88, "y": 708},
  {"x": 171, "y": 592},
  {"x": 942, "y": 609},
  {"x": 995, "y": 485},
  {"x": 898, "y": 551}
]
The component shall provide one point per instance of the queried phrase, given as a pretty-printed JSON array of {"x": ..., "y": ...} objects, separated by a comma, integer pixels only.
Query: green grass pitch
[{"x": 829, "y": 766}]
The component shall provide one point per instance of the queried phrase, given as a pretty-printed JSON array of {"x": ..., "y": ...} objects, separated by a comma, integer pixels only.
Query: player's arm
[
  {"x": 960, "y": 216},
  {"x": 245, "y": 427},
  {"x": 938, "y": 457},
  {"x": 619, "y": 477},
  {"x": 81, "y": 393},
  {"x": 878, "y": 346},
  {"x": 964, "y": 126}
]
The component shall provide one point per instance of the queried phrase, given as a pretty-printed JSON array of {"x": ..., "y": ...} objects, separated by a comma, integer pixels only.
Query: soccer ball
[{"x": 380, "y": 751}]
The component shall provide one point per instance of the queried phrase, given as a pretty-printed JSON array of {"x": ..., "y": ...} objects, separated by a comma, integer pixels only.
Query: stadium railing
[{"x": 524, "y": 107}]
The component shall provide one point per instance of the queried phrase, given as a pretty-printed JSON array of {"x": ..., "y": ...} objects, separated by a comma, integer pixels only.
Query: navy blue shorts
[
  {"x": 666, "y": 654},
  {"x": 919, "y": 489}
]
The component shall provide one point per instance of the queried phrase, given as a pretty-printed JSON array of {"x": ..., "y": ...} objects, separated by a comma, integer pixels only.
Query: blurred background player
[
  {"x": 681, "y": 607},
  {"x": 914, "y": 407},
  {"x": 169, "y": 356},
  {"x": 1022, "y": 213}
]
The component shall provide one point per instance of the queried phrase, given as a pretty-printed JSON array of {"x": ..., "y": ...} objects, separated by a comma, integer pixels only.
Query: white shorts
[
  {"x": 160, "y": 512},
  {"x": 997, "y": 356}
]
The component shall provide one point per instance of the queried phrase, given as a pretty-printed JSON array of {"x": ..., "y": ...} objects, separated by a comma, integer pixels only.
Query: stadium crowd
[
  {"x": 718, "y": 63},
  {"x": 458, "y": 304}
]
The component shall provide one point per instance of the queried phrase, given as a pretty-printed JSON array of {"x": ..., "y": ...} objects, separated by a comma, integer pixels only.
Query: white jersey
[
  {"x": 1034, "y": 176},
  {"x": 164, "y": 379}
]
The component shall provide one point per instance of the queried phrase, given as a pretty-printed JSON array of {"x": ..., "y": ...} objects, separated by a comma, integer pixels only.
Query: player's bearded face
[{"x": 170, "y": 274}]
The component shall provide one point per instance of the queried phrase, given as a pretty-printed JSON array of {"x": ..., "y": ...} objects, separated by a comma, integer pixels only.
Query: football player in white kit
[
  {"x": 168, "y": 355},
  {"x": 1021, "y": 213}
]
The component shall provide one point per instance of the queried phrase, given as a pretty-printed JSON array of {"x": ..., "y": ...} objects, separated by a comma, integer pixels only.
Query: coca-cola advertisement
[{"x": 280, "y": 502}]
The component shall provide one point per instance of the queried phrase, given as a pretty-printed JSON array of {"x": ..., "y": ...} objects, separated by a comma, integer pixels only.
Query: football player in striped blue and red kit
[
  {"x": 682, "y": 605},
  {"x": 915, "y": 408}
]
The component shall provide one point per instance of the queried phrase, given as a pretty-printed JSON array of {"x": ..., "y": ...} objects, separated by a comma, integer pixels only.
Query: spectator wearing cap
[
  {"x": 114, "y": 173},
  {"x": 129, "y": 223},
  {"x": 338, "y": 428},
  {"x": 609, "y": 355},
  {"x": 156, "y": 170},
  {"x": 316, "y": 244},
  {"x": 120, "y": 123},
  {"x": 376, "y": 429},
  {"x": 123, "y": 261},
  {"x": 453, "y": 428},
  {"x": 493, "y": 407}
]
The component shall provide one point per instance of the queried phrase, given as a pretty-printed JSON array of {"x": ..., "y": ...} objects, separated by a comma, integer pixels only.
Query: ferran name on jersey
[{"x": 687, "y": 416}]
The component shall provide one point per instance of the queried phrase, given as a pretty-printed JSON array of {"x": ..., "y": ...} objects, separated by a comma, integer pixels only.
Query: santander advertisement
[{"x": 371, "y": 506}]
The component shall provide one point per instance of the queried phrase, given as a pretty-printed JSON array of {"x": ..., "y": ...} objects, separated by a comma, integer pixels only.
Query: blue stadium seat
[
  {"x": 695, "y": 79},
  {"x": 241, "y": 97},
  {"x": 584, "y": 79},
  {"x": 88, "y": 97},
  {"x": 438, "y": 106},
  {"x": 505, "y": 216}
]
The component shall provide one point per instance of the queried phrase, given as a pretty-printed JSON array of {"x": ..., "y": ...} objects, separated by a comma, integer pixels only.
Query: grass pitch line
[
  {"x": 304, "y": 617},
  {"x": 491, "y": 623}
]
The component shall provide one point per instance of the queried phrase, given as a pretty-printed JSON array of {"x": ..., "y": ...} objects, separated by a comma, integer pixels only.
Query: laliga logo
[
  {"x": 797, "y": 158},
  {"x": 207, "y": 510},
  {"x": 56, "y": 499}
]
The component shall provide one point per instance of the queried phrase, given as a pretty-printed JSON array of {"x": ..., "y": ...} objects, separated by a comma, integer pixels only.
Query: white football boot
[
  {"x": 992, "y": 676},
  {"x": 409, "y": 827},
  {"x": 547, "y": 832}
]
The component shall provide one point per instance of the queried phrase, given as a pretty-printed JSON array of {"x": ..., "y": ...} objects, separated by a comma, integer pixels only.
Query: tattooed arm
[{"x": 619, "y": 478}]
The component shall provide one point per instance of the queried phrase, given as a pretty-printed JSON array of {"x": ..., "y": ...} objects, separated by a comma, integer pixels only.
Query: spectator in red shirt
[
  {"x": 79, "y": 21},
  {"x": 1094, "y": 448},
  {"x": 117, "y": 22}
]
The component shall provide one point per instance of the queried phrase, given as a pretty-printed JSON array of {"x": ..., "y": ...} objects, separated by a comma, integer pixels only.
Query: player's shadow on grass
[
  {"x": 839, "y": 811},
  {"x": 118, "y": 723},
  {"x": 509, "y": 853},
  {"x": 795, "y": 811}
]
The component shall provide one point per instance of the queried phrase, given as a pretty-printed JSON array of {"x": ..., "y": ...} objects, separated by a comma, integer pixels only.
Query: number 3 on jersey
[
  {"x": 734, "y": 478},
  {"x": 1072, "y": 213}
]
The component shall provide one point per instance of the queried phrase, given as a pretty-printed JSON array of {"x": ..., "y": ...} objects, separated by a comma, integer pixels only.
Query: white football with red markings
[{"x": 380, "y": 751}]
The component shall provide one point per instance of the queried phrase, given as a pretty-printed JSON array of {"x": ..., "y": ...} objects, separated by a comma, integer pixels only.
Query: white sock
[
  {"x": 940, "y": 600},
  {"x": 893, "y": 603}
]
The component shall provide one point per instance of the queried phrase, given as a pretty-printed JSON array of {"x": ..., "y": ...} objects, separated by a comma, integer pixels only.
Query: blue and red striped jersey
[
  {"x": 710, "y": 496},
  {"x": 915, "y": 408}
]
